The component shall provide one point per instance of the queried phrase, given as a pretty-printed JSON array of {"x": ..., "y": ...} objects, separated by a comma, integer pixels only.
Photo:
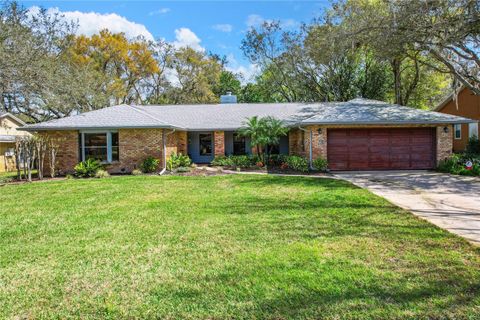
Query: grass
[{"x": 240, "y": 247}]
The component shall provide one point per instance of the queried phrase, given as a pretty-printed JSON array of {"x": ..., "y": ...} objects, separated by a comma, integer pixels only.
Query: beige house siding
[
  {"x": 8, "y": 126},
  {"x": 7, "y": 163}
]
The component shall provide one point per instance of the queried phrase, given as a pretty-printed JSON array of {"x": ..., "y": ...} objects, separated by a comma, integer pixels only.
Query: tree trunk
[{"x": 396, "y": 64}]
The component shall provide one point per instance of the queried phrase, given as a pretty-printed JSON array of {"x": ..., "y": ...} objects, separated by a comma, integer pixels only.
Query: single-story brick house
[
  {"x": 356, "y": 135},
  {"x": 465, "y": 104}
]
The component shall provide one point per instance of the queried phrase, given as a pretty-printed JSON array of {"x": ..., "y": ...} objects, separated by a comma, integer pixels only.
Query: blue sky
[{"x": 216, "y": 26}]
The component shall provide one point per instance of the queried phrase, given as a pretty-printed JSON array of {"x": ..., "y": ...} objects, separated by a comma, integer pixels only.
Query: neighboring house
[
  {"x": 8, "y": 133},
  {"x": 466, "y": 105},
  {"x": 355, "y": 135}
]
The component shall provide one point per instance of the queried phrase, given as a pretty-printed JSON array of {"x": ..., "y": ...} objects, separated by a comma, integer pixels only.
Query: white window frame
[
  {"x": 455, "y": 126},
  {"x": 109, "y": 143},
  {"x": 473, "y": 129}
]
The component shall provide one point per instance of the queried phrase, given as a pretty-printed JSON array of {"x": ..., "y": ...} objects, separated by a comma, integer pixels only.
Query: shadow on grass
[{"x": 272, "y": 181}]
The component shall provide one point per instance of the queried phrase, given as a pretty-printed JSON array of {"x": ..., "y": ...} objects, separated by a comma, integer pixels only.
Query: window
[
  {"x": 101, "y": 146},
  {"x": 274, "y": 149},
  {"x": 205, "y": 144},
  {"x": 473, "y": 130},
  {"x": 458, "y": 131},
  {"x": 238, "y": 144}
]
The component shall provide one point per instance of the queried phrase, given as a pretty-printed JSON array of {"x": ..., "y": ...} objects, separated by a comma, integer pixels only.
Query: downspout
[
  {"x": 164, "y": 142},
  {"x": 310, "y": 148}
]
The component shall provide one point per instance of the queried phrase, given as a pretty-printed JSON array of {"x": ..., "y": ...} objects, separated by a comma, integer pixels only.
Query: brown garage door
[{"x": 381, "y": 149}]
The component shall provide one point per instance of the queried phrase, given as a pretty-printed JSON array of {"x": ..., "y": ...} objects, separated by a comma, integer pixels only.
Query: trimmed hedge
[{"x": 281, "y": 161}]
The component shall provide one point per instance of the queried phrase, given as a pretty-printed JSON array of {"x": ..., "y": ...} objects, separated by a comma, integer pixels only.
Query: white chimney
[{"x": 228, "y": 98}]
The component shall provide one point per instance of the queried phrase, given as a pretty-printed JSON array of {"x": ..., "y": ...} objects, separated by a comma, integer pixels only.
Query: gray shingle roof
[{"x": 232, "y": 116}]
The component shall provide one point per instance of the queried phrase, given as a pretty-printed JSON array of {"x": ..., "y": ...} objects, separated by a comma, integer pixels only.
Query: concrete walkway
[{"x": 450, "y": 202}]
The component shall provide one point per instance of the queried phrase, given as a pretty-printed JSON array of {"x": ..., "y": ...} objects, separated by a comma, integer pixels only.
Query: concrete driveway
[{"x": 450, "y": 202}]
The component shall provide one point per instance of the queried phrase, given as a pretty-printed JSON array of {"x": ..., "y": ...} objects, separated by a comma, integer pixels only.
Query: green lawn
[{"x": 240, "y": 247}]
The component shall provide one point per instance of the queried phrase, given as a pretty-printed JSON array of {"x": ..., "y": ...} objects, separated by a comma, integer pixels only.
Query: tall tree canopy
[
  {"x": 442, "y": 34},
  {"x": 407, "y": 52}
]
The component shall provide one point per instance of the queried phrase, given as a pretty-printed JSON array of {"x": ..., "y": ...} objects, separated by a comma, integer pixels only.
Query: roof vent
[{"x": 228, "y": 98}]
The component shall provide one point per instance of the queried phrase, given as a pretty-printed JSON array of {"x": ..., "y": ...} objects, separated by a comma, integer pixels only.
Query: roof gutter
[
  {"x": 33, "y": 128},
  {"x": 164, "y": 142}
]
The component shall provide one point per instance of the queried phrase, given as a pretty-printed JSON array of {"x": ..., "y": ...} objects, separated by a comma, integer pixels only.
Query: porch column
[{"x": 219, "y": 143}]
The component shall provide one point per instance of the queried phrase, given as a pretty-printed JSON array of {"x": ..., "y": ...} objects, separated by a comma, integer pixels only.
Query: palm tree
[
  {"x": 264, "y": 133},
  {"x": 274, "y": 130},
  {"x": 254, "y": 129}
]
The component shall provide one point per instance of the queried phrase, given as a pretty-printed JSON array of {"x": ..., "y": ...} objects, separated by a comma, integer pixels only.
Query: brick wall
[
  {"x": 219, "y": 143},
  {"x": 319, "y": 141},
  {"x": 176, "y": 142},
  {"x": 67, "y": 155},
  {"x": 444, "y": 142},
  {"x": 296, "y": 143},
  {"x": 134, "y": 146}
]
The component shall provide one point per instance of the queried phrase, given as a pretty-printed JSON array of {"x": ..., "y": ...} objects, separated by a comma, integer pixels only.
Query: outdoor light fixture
[
  {"x": 445, "y": 129},
  {"x": 319, "y": 130}
]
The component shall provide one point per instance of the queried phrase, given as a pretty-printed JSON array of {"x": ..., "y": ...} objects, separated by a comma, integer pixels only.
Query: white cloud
[
  {"x": 223, "y": 27},
  {"x": 248, "y": 72},
  {"x": 159, "y": 11},
  {"x": 255, "y": 20},
  {"x": 185, "y": 37},
  {"x": 90, "y": 23}
]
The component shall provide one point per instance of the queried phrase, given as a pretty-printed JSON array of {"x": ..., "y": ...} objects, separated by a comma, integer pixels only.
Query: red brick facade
[
  {"x": 219, "y": 143},
  {"x": 134, "y": 146},
  {"x": 137, "y": 144},
  {"x": 68, "y": 150}
]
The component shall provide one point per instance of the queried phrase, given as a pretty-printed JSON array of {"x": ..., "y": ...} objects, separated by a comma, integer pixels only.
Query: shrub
[
  {"x": 178, "y": 160},
  {"x": 222, "y": 161},
  {"x": 149, "y": 165},
  {"x": 276, "y": 160},
  {"x": 87, "y": 168},
  {"x": 5, "y": 180},
  {"x": 473, "y": 146},
  {"x": 243, "y": 161},
  {"x": 456, "y": 165},
  {"x": 102, "y": 174},
  {"x": 297, "y": 163},
  {"x": 137, "y": 172},
  {"x": 183, "y": 169},
  {"x": 320, "y": 164}
]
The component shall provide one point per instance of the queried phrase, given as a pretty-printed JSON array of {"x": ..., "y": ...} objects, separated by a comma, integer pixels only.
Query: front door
[{"x": 200, "y": 147}]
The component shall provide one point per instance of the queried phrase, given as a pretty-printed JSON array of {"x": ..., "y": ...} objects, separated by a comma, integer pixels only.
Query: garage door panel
[
  {"x": 358, "y": 150},
  {"x": 420, "y": 157},
  {"x": 338, "y": 150},
  {"x": 422, "y": 149},
  {"x": 400, "y": 150},
  {"x": 421, "y": 140},
  {"x": 379, "y": 157},
  {"x": 399, "y": 165},
  {"x": 400, "y": 157},
  {"x": 377, "y": 149}
]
